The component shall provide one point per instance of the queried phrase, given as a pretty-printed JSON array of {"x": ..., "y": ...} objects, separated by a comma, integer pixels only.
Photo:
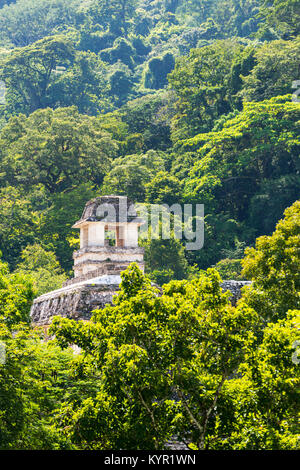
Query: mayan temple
[
  {"x": 109, "y": 229},
  {"x": 108, "y": 244}
]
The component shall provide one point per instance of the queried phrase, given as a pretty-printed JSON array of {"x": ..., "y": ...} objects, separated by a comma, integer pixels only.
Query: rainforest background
[{"x": 165, "y": 101}]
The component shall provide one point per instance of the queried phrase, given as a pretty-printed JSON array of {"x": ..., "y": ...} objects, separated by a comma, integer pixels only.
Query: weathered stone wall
[
  {"x": 89, "y": 259},
  {"x": 77, "y": 301},
  {"x": 235, "y": 288}
]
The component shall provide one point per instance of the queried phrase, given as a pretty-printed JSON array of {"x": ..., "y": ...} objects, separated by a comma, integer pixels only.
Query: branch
[
  {"x": 196, "y": 422},
  {"x": 211, "y": 409}
]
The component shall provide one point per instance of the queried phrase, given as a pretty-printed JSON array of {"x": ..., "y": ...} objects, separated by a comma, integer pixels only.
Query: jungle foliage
[{"x": 167, "y": 102}]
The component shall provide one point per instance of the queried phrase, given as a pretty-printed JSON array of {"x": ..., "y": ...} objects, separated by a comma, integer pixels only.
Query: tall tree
[
  {"x": 59, "y": 149},
  {"x": 115, "y": 14},
  {"x": 51, "y": 73},
  {"x": 283, "y": 15},
  {"x": 28, "y": 72},
  {"x": 16, "y": 295},
  {"x": 274, "y": 267},
  {"x": 129, "y": 175},
  {"x": 23, "y": 22},
  {"x": 260, "y": 143},
  {"x": 186, "y": 343},
  {"x": 201, "y": 83},
  {"x": 42, "y": 266},
  {"x": 277, "y": 65}
]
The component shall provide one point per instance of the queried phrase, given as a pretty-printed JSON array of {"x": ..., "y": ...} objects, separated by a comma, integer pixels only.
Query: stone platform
[
  {"x": 77, "y": 301},
  {"x": 235, "y": 287}
]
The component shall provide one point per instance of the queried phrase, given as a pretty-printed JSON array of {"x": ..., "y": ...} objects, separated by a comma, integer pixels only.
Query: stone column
[
  {"x": 131, "y": 236},
  {"x": 84, "y": 235},
  {"x": 120, "y": 236},
  {"x": 96, "y": 234}
]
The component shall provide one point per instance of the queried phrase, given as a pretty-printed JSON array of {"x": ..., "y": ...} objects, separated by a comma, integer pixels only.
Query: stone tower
[
  {"x": 108, "y": 238},
  {"x": 108, "y": 244}
]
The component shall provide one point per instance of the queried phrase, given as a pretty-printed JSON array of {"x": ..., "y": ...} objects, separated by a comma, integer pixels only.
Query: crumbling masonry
[{"x": 108, "y": 244}]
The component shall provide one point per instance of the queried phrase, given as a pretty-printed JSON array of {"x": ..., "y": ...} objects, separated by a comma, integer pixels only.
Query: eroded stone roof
[{"x": 110, "y": 209}]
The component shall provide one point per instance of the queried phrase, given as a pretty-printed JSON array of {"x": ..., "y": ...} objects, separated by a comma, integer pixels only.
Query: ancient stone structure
[
  {"x": 112, "y": 216},
  {"x": 235, "y": 287},
  {"x": 108, "y": 244},
  {"x": 75, "y": 301}
]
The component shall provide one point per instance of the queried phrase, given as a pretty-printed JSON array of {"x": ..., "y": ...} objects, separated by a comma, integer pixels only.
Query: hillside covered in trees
[{"x": 164, "y": 101}]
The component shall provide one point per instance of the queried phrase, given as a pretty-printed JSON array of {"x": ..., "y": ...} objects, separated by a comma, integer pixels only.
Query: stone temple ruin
[{"x": 108, "y": 245}]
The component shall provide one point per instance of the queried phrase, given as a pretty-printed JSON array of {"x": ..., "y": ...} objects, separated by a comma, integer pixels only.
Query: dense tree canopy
[
  {"x": 154, "y": 73},
  {"x": 167, "y": 102},
  {"x": 22, "y": 22},
  {"x": 273, "y": 265},
  {"x": 114, "y": 14},
  {"x": 259, "y": 145},
  {"x": 58, "y": 149},
  {"x": 183, "y": 363},
  {"x": 28, "y": 72},
  {"x": 201, "y": 82},
  {"x": 277, "y": 66},
  {"x": 51, "y": 73},
  {"x": 282, "y": 15}
]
